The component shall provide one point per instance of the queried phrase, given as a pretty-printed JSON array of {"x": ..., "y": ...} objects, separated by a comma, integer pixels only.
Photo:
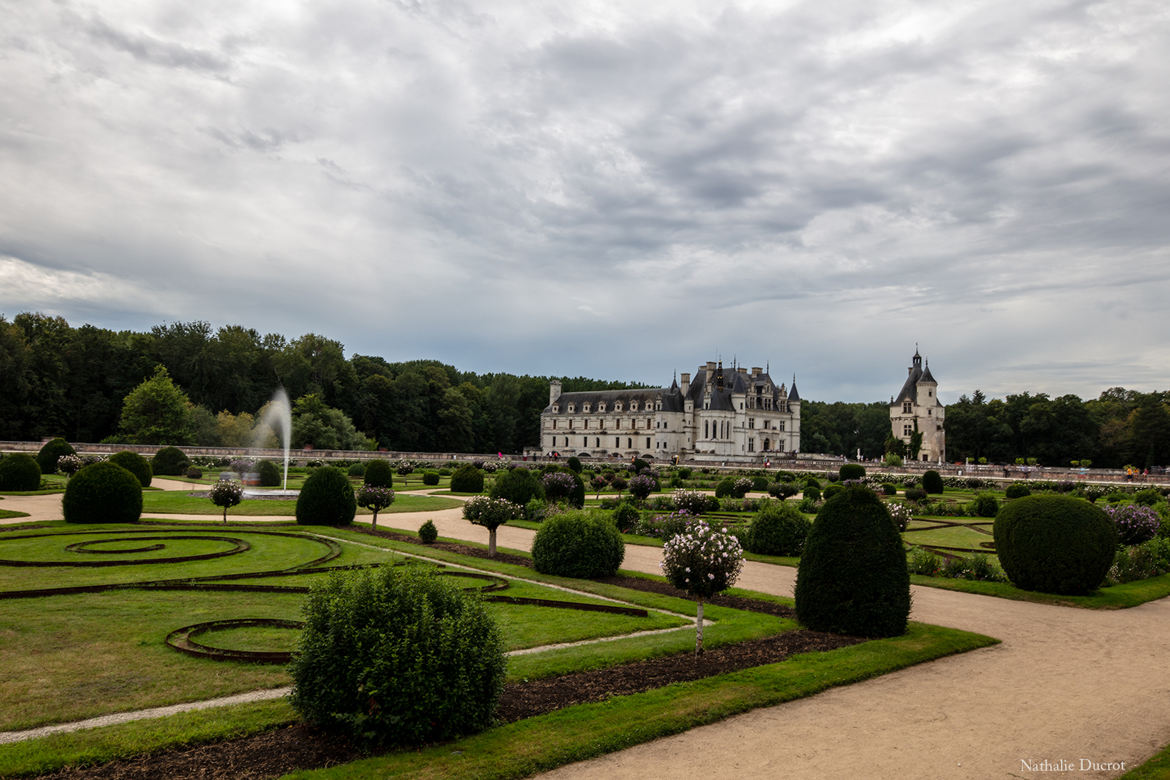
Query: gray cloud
[{"x": 617, "y": 190}]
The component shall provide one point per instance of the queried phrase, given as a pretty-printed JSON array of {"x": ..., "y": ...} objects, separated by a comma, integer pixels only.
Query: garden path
[{"x": 1066, "y": 685}]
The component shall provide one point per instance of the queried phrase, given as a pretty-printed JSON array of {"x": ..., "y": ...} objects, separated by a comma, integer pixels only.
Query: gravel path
[{"x": 1069, "y": 692}]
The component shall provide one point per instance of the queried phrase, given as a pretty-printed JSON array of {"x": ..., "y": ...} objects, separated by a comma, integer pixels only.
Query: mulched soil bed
[{"x": 283, "y": 750}]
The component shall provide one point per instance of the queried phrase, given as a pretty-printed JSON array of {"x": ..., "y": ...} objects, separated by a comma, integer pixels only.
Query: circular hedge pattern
[
  {"x": 1054, "y": 544},
  {"x": 102, "y": 493}
]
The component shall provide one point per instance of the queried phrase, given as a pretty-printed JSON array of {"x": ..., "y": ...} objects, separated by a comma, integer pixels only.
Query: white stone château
[
  {"x": 917, "y": 408},
  {"x": 728, "y": 415}
]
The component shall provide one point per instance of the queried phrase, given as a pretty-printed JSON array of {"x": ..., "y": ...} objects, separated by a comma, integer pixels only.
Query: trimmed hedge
[
  {"x": 932, "y": 481},
  {"x": 378, "y": 473},
  {"x": 852, "y": 577},
  {"x": 326, "y": 498},
  {"x": 269, "y": 474},
  {"x": 467, "y": 479},
  {"x": 430, "y": 478},
  {"x": 578, "y": 544},
  {"x": 397, "y": 657},
  {"x": 1017, "y": 490},
  {"x": 1054, "y": 544},
  {"x": 102, "y": 493},
  {"x": 170, "y": 462},
  {"x": 778, "y": 528},
  {"x": 851, "y": 471},
  {"x": 19, "y": 471},
  {"x": 135, "y": 464},
  {"x": 50, "y": 452},
  {"x": 518, "y": 485}
]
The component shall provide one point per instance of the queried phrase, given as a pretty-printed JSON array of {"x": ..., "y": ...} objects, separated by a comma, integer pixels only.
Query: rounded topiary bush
[
  {"x": 778, "y": 528},
  {"x": 19, "y": 472},
  {"x": 518, "y": 485},
  {"x": 578, "y": 544},
  {"x": 852, "y": 577},
  {"x": 626, "y": 516},
  {"x": 724, "y": 488},
  {"x": 428, "y": 533},
  {"x": 932, "y": 481},
  {"x": 135, "y": 464},
  {"x": 1054, "y": 543},
  {"x": 430, "y": 478},
  {"x": 467, "y": 479},
  {"x": 356, "y": 469},
  {"x": 397, "y": 657},
  {"x": 985, "y": 505},
  {"x": 379, "y": 473},
  {"x": 102, "y": 493},
  {"x": 50, "y": 452},
  {"x": 830, "y": 491},
  {"x": 851, "y": 471},
  {"x": 170, "y": 462},
  {"x": 812, "y": 492},
  {"x": 326, "y": 498},
  {"x": 1017, "y": 490},
  {"x": 269, "y": 474}
]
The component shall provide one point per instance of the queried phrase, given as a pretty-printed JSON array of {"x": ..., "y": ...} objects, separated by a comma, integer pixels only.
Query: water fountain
[{"x": 277, "y": 419}]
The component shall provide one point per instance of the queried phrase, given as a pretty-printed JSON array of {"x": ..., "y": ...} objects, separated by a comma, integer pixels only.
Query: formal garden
[{"x": 567, "y": 656}]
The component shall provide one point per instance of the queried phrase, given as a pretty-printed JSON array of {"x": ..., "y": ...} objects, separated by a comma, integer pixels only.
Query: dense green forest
[{"x": 90, "y": 384}]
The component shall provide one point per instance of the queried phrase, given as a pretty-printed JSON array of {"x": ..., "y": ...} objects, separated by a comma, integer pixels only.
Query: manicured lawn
[
  {"x": 178, "y": 502},
  {"x": 1157, "y": 768}
]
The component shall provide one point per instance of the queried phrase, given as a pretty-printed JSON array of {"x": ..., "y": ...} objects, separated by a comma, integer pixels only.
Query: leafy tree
[
  {"x": 157, "y": 412},
  {"x": 323, "y": 427},
  {"x": 226, "y": 493}
]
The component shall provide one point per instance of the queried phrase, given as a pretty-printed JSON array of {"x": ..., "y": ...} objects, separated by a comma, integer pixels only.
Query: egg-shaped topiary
[
  {"x": 19, "y": 471},
  {"x": 135, "y": 464},
  {"x": 1054, "y": 544},
  {"x": 578, "y": 544},
  {"x": 852, "y": 577},
  {"x": 378, "y": 473},
  {"x": 170, "y": 462},
  {"x": 326, "y": 498},
  {"x": 467, "y": 479},
  {"x": 269, "y": 474},
  {"x": 50, "y": 452},
  {"x": 932, "y": 481},
  {"x": 102, "y": 493},
  {"x": 851, "y": 471}
]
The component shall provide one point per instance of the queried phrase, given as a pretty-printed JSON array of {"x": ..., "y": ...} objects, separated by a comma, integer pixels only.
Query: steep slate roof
[{"x": 909, "y": 390}]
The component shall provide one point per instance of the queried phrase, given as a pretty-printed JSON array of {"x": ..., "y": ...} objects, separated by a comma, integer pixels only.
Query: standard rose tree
[{"x": 702, "y": 561}]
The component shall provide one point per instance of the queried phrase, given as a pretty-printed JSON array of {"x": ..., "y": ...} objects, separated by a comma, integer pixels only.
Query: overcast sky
[{"x": 619, "y": 190}]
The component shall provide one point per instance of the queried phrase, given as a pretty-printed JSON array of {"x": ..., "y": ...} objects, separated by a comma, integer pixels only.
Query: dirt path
[{"x": 1070, "y": 687}]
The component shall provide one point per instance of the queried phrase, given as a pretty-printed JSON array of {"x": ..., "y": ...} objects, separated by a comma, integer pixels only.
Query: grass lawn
[
  {"x": 77, "y": 655},
  {"x": 162, "y": 502},
  {"x": 1157, "y": 768}
]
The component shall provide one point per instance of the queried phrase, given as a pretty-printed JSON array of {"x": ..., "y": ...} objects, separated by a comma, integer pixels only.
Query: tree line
[{"x": 58, "y": 380}]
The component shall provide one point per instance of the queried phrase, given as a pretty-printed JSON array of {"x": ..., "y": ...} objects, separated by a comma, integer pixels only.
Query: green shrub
[
  {"x": 269, "y": 474},
  {"x": 357, "y": 469},
  {"x": 915, "y": 494},
  {"x": 782, "y": 490},
  {"x": 777, "y": 529},
  {"x": 379, "y": 473},
  {"x": 985, "y": 505},
  {"x": 491, "y": 513},
  {"x": 578, "y": 544},
  {"x": 397, "y": 657},
  {"x": 923, "y": 561},
  {"x": 851, "y": 471},
  {"x": 102, "y": 493},
  {"x": 725, "y": 488},
  {"x": 813, "y": 492},
  {"x": 889, "y": 489},
  {"x": 760, "y": 483},
  {"x": 639, "y": 466},
  {"x": 684, "y": 472},
  {"x": 518, "y": 485},
  {"x": 626, "y": 516},
  {"x": 1017, "y": 490},
  {"x": 932, "y": 481},
  {"x": 19, "y": 471},
  {"x": 49, "y": 453},
  {"x": 135, "y": 464},
  {"x": 831, "y": 490},
  {"x": 194, "y": 472},
  {"x": 427, "y": 533},
  {"x": 430, "y": 478},
  {"x": 1146, "y": 497},
  {"x": 170, "y": 462},
  {"x": 326, "y": 498},
  {"x": 1054, "y": 543},
  {"x": 852, "y": 577},
  {"x": 467, "y": 479},
  {"x": 574, "y": 464}
]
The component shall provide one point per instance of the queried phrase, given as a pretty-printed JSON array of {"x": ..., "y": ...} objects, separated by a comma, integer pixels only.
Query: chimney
[
  {"x": 743, "y": 371},
  {"x": 686, "y": 383},
  {"x": 554, "y": 391},
  {"x": 756, "y": 370}
]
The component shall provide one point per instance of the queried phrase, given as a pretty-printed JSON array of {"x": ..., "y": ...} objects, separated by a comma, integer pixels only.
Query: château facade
[
  {"x": 917, "y": 408},
  {"x": 732, "y": 415}
]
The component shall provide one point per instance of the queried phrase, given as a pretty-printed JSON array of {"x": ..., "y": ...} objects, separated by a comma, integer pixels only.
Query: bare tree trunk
[
  {"x": 699, "y": 630},
  {"x": 375, "y": 523}
]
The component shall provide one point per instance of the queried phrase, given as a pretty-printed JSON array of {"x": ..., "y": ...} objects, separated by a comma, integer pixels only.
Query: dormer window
[
  {"x": 617, "y": 406},
  {"x": 633, "y": 406},
  {"x": 601, "y": 407},
  {"x": 585, "y": 408},
  {"x": 556, "y": 408},
  {"x": 572, "y": 408}
]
